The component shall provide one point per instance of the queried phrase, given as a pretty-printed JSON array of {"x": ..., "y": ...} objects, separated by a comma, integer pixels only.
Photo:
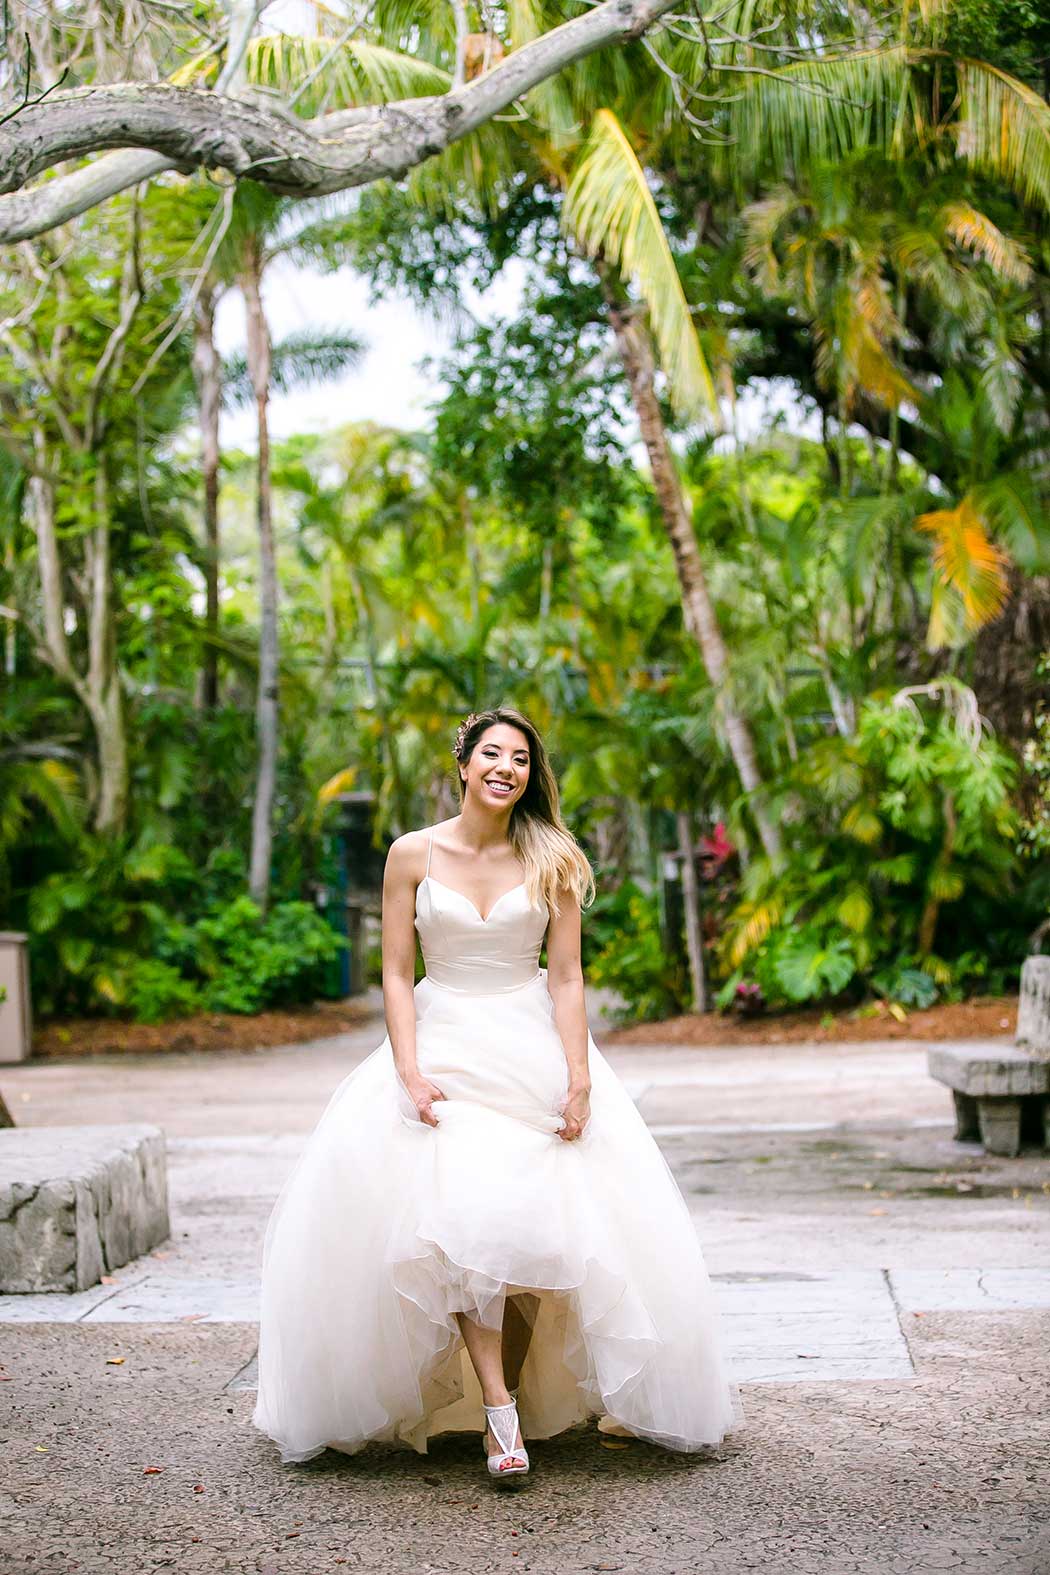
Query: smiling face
[{"x": 498, "y": 769}]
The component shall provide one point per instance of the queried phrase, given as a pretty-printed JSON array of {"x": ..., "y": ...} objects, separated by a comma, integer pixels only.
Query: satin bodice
[{"x": 462, "y": 951}]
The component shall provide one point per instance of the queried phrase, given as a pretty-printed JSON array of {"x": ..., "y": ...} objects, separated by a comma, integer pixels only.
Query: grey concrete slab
[{"x": 970, "y": 1290}]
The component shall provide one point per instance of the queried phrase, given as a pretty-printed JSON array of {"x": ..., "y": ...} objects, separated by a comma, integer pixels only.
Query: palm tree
[
  {"x": 876, "y": 234},
  {"x": 611, "y": 213},
  {"x": 259, "y": 234}
]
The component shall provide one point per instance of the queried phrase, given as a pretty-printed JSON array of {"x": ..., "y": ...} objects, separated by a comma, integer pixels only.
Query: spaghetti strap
[{"x": 430, "y": 849}]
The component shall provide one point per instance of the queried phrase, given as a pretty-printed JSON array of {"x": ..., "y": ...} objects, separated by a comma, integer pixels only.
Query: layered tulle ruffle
[{"x": 387, "y": 1228}]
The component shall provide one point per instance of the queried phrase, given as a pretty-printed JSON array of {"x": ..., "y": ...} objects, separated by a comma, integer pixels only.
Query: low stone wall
[{"x": 77, "y": 1202}]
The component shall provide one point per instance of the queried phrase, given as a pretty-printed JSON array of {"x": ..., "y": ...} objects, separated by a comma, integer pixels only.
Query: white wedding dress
[{"x": 387, "y": 1227}]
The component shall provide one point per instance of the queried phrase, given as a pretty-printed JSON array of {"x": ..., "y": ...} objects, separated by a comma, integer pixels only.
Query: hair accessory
[{"x": 461, "y": 734}]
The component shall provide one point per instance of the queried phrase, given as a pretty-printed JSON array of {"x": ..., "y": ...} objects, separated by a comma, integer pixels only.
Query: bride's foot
[{"x": 504, "y": 1445}]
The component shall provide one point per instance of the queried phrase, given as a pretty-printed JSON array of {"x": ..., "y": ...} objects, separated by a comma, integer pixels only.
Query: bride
[{"x": 481, "y": 1230}]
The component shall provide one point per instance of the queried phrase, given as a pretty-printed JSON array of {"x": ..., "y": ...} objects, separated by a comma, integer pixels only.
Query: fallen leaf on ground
[
  {"x": 614, "y": 1443},
  {"x": 114, "y": 1361},
  {"x": 152, "y": 1471}
]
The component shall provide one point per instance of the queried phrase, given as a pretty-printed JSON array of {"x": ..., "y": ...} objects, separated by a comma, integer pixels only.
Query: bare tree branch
[{"x": 188, "y": 128}]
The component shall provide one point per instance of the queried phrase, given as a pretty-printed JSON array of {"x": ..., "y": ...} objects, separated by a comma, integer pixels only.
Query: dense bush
[
  {"x": 626, "y": 953},
  {"x": 893, "y": 827},
  {"x": 113, "y": 936}
]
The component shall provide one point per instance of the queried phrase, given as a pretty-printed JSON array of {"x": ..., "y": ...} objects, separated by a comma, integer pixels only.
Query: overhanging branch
[{"x": 187, "y": 128}]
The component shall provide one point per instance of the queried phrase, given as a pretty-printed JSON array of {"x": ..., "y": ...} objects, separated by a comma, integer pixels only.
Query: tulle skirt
[{"x": 387, "y": 1228}]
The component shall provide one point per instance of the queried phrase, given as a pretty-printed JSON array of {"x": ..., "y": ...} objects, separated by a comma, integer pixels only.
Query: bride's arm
[
  {"x": 565, "y": 983},
  {"x": 399, "y": 967}
]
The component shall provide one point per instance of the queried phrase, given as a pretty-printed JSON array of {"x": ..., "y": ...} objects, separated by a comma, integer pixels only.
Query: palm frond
[
  {"x": 325, "y": 73},
  {"x": 967, "y": 562},
  {"x": 1004, "y": 129},
  {"x": 820, "y": 110},
  {"x": 609, "y": 208},
  {"x": 299, "y": 359},
  {"x": 1011, "y": 506},
  {"x": 979, "y": 235}
]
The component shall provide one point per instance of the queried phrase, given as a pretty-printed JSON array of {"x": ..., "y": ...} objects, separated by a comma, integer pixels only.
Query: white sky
[{"x": 388, "y": 385}]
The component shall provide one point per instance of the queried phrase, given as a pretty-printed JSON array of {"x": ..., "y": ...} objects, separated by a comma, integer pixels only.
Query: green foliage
[
  {"x": 108, "y": 937},
  {"x": 247, "y": 961},
  {"x": 627, "y": 955},
  {"x": 895, "y": 826}
]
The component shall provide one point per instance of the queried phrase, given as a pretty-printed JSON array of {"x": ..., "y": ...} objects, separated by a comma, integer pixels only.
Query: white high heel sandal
[{"x": 503, "y": 1425}]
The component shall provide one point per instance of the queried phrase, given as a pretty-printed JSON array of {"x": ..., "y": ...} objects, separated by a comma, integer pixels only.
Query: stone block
[
  {"x": 1033, "y": 1008},
  {"x": 77, "y": 1202},
  {"x": 992, "y": 1071},
  {"x": 1000, "y": 1124},
  {"x": 967, "y": 1127}
]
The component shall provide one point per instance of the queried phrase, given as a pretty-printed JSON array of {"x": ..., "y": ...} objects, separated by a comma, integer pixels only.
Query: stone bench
[
  {"x": 77, "y": 1202},
  {"x": 1000, "y": 1092}
]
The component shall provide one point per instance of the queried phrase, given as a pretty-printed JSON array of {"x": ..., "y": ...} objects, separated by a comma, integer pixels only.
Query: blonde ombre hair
[{"x": 552, "y": 858}]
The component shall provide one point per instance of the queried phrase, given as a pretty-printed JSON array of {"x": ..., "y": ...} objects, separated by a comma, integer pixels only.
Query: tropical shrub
[
  {"x": 112, "y": 936},
  {"x": 895, "y": 825},
  {"x": 250, "y": 961},
  {"x": 630, "y": 957}
]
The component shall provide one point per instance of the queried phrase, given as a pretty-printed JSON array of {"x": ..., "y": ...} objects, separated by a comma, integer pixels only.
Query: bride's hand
[
  {"x": 577, "y": 1113},
  {"x": 423, "y": 1094}
]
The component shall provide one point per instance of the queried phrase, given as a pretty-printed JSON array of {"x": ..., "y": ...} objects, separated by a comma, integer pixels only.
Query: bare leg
[
  {"x": 517, "y": 1335},
  {"x": 485, "y": 1349}
]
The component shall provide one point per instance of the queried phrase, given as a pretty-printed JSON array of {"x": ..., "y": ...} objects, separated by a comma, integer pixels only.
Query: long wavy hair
[{"x": 552, "y": 857}]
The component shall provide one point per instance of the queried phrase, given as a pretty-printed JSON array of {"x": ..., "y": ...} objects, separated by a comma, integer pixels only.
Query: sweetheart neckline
[{"x": 462, "y": 894}]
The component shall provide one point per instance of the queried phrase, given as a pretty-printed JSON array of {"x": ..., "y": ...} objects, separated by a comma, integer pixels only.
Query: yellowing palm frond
[
  {"x": 871, "y": 368},
  {"x": 343, "y": 75},
  {"x": 762, "y": 220},
  {"x": 200, "y": 68},
  {"x": 609, "y": 208},
  {"x": 967, "y": 562},
  {"x": 329, "y": 791},
  {"x": 1004, "y": 128},
  {"x": 974, "y": 230},
  {"x": 756, "y": 920},
  {"x": 336, "y": 76}
]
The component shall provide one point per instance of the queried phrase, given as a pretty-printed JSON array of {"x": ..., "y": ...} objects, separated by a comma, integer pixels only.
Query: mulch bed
[
  {"x": 205, "y": 1031},
  {"x": 982, "y": 1018},
  {"x": 985, "y": 1017}
]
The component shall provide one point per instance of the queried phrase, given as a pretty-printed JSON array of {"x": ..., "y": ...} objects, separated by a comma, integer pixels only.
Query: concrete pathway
[{"x": 887, "y": 1301}]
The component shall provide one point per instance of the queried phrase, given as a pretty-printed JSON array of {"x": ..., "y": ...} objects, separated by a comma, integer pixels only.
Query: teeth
[{"x": 499, "y": 787}]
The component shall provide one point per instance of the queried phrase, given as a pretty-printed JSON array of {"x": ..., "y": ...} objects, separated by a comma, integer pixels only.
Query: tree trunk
[
  {"x": 98, "y": 690},
  {"x": 691, "y": 903},
  {"x": 266, "y": 719},
  {"x": 700, "y": 618},
  {"x": 105, "y": 700},
  {"x": 207, "y": 371}
]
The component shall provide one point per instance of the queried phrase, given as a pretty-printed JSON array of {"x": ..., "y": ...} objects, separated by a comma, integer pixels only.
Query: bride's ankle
[{"x": 500, "y": 1396}]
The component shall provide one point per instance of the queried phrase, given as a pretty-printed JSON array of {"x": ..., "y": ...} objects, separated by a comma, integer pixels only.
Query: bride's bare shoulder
[{"x": 410, "y": 850}]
